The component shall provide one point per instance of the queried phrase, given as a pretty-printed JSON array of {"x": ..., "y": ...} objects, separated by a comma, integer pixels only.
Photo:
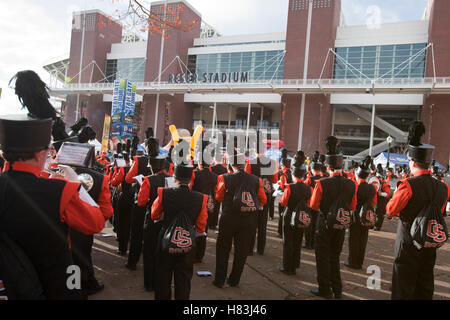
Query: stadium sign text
[{"x": 208, "y": 77}]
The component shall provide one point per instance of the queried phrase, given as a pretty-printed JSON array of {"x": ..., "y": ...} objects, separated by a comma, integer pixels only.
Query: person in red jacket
[
  {"x": 382, "y": 198},
  {"x": 38, "y": 212},
  {"x": 297, "y": 193},
  {"x": 167, "y": 206},
  {"x": 329, "y": 241},
  {"x": 358, "y": 236},
  {"x": 236, "y": 226},
  {"x": 412, "y": 277}
]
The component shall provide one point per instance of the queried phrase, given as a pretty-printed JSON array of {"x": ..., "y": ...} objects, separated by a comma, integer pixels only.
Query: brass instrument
[{"x": 86, "y": 180}]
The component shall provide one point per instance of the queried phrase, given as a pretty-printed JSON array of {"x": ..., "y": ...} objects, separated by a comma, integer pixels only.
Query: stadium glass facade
[
  {"x": 132, "y": 69},
  {"x": 261, "y": 65},
  {"x": 388, "y": 61}
]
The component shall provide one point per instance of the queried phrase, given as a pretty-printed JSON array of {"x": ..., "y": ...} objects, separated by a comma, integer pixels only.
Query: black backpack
[
  {"x": 179, "y": 236},
  {"x": 301, "y": 217},
  {"x": 245, "y": 199},
  {"x": 429, "y": 229},
  {"x": 339, "y": 215},
  {"x": 367, "y": 215}
]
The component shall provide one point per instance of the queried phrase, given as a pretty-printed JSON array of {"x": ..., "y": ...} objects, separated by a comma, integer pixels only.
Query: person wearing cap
[
  {"x": 359, "y": 234},
  {"x": 169, "y": 203},
  {"x": 235, "y": 227},
  {"x": 125, "y": 202},
  {"x": 145, "y": 199},
  {"x": 329, "y": 242},
  {"x": 293, "y": 194},
  {"x": 316, "y": 167},
  {"x": 219, "y": 169},
  {"x": 413, "y": 269},
  {"x": 382, "y": 198},
  {"x": 265, "y": 169},
  {"x": 140, "y": 167},
  {"x": 204, "y": 181},
  {"x": 38, "y": 212}
]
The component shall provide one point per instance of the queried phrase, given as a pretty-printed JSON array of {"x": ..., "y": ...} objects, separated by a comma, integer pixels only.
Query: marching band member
[
  {"x": 293, "y": 194},
  {"x": 413, "y": 269}
]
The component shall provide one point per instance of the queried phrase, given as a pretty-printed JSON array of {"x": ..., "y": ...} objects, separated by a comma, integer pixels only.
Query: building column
[{"x": 372, "y": 130}]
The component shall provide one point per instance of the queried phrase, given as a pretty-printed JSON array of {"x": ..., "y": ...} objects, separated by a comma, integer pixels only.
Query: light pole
[{"x": 389, "y": 141}]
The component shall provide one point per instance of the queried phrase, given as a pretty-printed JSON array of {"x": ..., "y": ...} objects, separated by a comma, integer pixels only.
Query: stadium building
[{"x": 320, "y": 77}]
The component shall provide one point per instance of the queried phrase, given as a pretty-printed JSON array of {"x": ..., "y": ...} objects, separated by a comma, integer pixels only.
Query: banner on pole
[
  {"x": 123, "y": 107},
  {"x": 106, "y": 130}
]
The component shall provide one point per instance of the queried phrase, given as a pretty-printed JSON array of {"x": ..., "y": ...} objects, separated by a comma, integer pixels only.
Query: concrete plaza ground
[{"x": 261, "y": 279}]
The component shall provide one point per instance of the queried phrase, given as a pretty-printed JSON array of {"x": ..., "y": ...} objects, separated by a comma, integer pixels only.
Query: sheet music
[
  {"x": 170, "y": 182},
  {"x": 139, "y": 179},
  {"x": 121, "y": 162},
  {"x": 74, "y": 154}
]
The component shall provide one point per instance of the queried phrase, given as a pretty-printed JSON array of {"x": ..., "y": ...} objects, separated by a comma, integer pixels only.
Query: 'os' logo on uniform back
[
  {"x": 181, "y": 238},
  {"x": 436, "y": 231},
  {"x": 343, "y": 217},
  {"x": 304, "y": 218},
  {"x": 247, "y": 199}
]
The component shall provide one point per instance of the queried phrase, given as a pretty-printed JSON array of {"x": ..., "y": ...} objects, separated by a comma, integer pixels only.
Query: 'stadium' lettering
[{"x": 208, "y": 77}]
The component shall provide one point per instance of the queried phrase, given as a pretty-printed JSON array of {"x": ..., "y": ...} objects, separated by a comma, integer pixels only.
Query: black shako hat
[
  {"x": 316, "y": 164},
  {"x": 284, "y": 158},
  {"x": 417, "y": 151},
  {"x": 334, "y": 157},
  {"x": 183, "y": 167},
  {"x": 363, "y": 170},
  {"x": 32, "y": 132},
  {"x": 298, "y": 167},
  {"x": 155, "y": 158}
]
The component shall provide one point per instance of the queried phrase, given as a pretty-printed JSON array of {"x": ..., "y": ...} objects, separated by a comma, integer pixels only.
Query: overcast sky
[{"x": 35, "y": 31}]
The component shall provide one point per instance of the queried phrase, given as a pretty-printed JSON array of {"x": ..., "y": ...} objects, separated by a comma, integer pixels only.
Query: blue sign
[{"x": 123, "y": 107}]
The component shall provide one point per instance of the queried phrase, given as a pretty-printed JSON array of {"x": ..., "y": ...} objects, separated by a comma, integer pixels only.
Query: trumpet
[{"x": 86, "y": 180}]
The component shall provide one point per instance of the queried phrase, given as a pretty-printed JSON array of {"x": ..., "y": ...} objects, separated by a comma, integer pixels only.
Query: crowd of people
[{"x": 162, "y": 206}]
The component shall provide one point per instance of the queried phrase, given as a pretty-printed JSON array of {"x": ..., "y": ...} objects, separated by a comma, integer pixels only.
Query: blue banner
[{"x": 123, "y": 107}]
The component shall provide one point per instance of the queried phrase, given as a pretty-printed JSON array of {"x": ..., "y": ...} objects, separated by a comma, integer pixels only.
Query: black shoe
[
  {"x": 338, "y": 296},
  {"x": 217, "y": 284},
  {"x": 352, "y": 267},
  {"x": 149, "y": 289},
  {"x": 286, "y": 272},
  {"x": 122, "y": 253},
  {"x": 94, "y": 289},
  {"x": 131, "y": 267},
  {"x": 197, "y": 261},
  {"x": 232, "y": 284},
  {"x": 279, "y": 236},
  {"x": 316, "y": 292},
  {"x": 260, "y": 253}
]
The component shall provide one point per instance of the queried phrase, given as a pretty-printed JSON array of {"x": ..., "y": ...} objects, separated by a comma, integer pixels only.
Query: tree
[{"x": 137, "y": 16}]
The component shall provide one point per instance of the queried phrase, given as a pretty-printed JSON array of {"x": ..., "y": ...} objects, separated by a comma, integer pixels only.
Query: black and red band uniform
[
  {"x": 234, "y": 226},
  {"x": 268, "y": 179},
  {"x": 38, "y": 216},
  {"x": 169, "y": 203},
  {"x": 329, "y": 242},
  {"x": 382, "y": 200},
  {"x": 311, "y": 230},
  {"x": 359, "y": 234},
  {"x": 285, "y": 179},
  {"x": 140, "y": 167},
  {"x": 81, "y": 243},
  {"x": 146, "y": 197},
  {"x": 204, "y": 181},
  {"x": 124, "y": 207},
  {"x": 413, "y": 277},
  {"x": 292, "y": 237},
  {"x": 213, "y": 218}
]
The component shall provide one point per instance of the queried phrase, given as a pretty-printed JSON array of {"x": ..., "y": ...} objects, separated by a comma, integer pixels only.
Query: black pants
[
  {"x": 311, "y": 230},
  {"x": 280, "y": 219},
  {"x": 151, "y": 232},
  {"x": 136, "y": 236},
  {"x": 237, "y": 228},
  {"x": 413, "y": 277},
  {"x": 213, "y": 217},
  {"x": 178, "y": 267},
  {"x": 200, "y": 247},
  {"x": 125, "y": 206},
  {"x": 380, "y": 212},
  {"x": 292, "y": 245},
  {"x": 81, "y": 253},
  {"x": 357, "y": 244},
  {"x": 271, "y": 200},
  {"x": 260, "y": 231},
  {"x": 328, "y": 245}
]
